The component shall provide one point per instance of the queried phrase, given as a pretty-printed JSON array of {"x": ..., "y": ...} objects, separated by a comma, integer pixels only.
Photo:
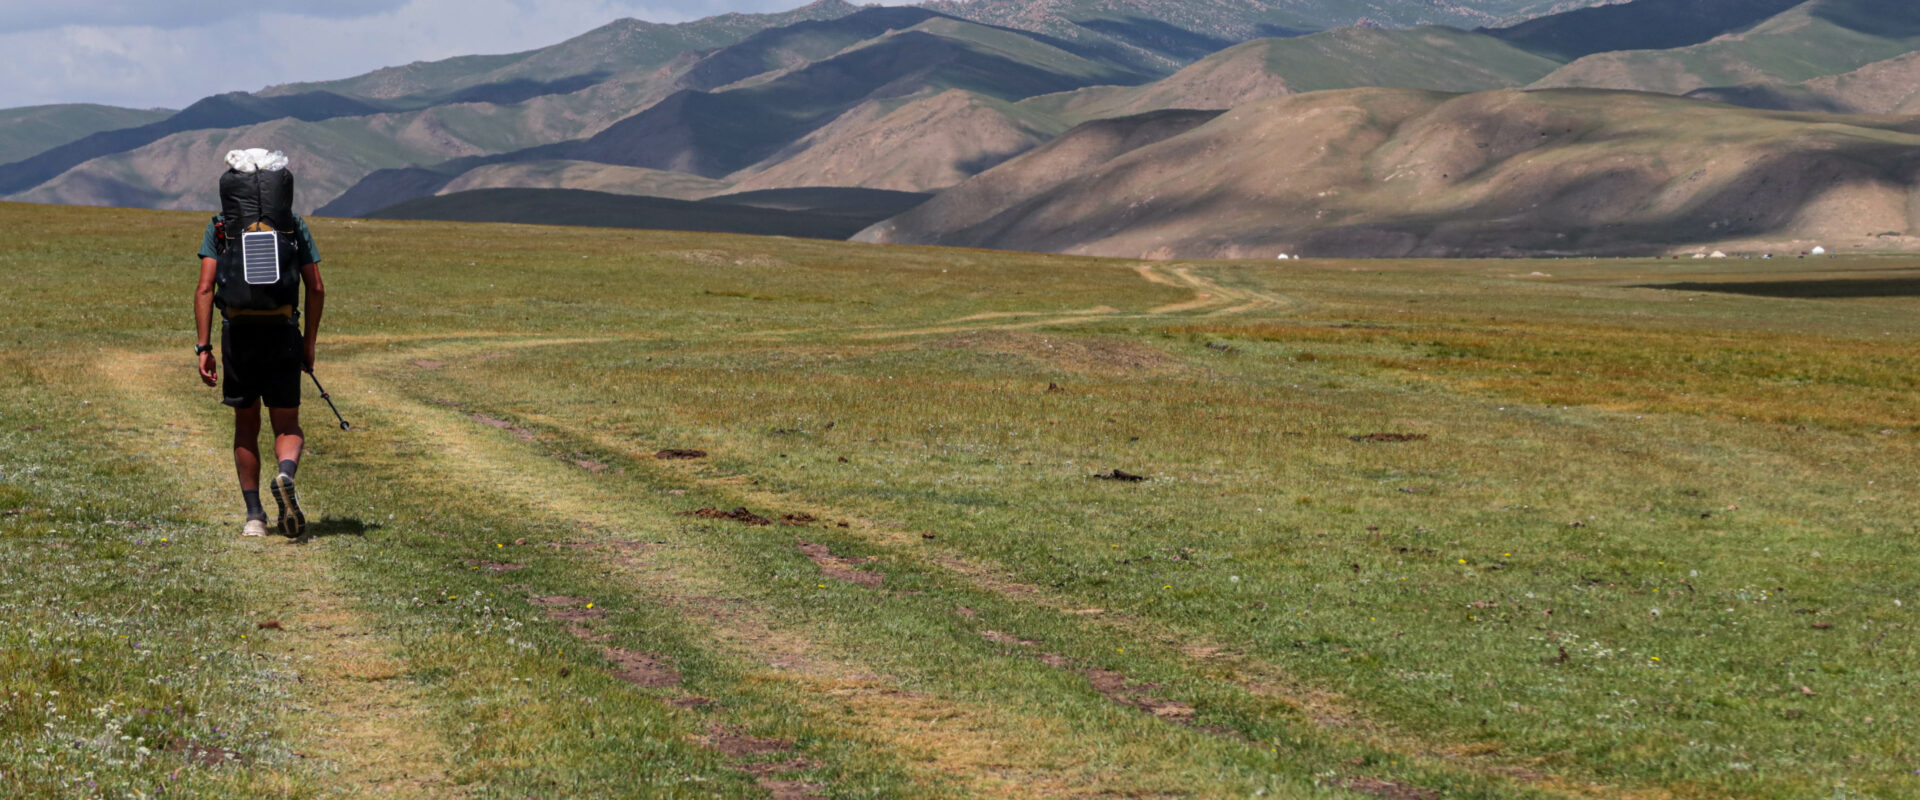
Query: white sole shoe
[
  {"x": 254, "y": 527},
  {"x": 293, "y": 523}
]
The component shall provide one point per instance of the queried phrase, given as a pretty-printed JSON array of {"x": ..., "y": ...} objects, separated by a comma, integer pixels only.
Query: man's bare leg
[
  {"x": 288, "y": 441},
  {"x": 246, "y": 462}
]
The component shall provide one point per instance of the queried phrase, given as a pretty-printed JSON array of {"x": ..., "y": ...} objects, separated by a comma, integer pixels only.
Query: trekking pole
[{"x": 329, "y": 398}]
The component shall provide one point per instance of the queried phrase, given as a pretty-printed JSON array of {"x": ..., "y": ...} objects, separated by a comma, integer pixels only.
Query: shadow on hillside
[{"x": 1158, "y": 37}]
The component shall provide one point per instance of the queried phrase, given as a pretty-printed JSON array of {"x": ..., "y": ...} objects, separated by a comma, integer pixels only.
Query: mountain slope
[
  {"x": 1637, "y": 25},
  {"x": 924, "y": 145},
  {"x": 621, "y": 46},
  {"x": 25, "y": 132},
  {"x": 1815, "y": 39},
  {"x": 963, "y": 214},
  {"x": 1441, "y": 59},
  {"x": 599, "y": 210},
  {"x": 1883, "y": 87},
  {"x": 717, "y": 133},
  {"x": 1168, "y": 35},
  {"x": 1377, "y": 172},
  {"x": 181, "y": 170},
  {"x": 220, "y": 111},
  {"x": 148, "y": 176},
  {"x": 586, "y": 176}
]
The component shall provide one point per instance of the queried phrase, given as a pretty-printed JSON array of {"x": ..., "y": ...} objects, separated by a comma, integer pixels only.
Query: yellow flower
[
  {"x": 1463, "y": 561},
  {"x": 589, "y": 605}
]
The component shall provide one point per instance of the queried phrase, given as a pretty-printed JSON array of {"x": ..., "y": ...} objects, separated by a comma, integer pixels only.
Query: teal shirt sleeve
[
  {"x": 304, "y": 239},
  {"x": 206, "y": 243}
]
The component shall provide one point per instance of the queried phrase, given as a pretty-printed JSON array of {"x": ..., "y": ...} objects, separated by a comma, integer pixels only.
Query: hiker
[{"x": 254, "y": 258}]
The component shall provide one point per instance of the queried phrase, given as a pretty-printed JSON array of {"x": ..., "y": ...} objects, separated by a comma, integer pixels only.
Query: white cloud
[{"x": 168, "y": 53}]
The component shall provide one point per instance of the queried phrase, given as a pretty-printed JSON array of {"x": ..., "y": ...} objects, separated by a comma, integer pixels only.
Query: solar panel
[{"x": 260, "y": 257}]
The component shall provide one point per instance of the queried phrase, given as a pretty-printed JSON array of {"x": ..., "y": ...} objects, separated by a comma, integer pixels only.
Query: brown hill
[
  {"x": 1441, "y": 59},
  {"x": 924, "y": 145},
  {"x": 1375, "y": 172}
]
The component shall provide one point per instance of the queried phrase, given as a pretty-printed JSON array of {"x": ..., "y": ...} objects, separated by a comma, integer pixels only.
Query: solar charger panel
[{"x": 260, "y": 257}]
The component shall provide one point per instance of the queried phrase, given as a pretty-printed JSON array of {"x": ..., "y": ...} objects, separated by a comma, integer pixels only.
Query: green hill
[
  {"x": 32, "y": 130},
  {"x": 1637, "y": 25},
  {"x": 1812, "y": 40}
]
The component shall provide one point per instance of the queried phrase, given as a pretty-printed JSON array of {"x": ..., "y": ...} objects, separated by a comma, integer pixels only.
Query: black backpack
[{"x": 259, "y": 266}]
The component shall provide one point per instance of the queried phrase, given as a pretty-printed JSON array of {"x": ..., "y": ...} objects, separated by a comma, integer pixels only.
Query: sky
[{"x": 169, "y": 53}]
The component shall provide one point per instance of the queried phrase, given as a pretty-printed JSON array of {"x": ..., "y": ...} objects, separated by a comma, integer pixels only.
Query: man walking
[{"x": 254, "y": 258}]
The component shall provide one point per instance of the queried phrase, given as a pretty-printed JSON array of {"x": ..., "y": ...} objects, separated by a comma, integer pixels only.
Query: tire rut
[{"x": 356, "y": 716}]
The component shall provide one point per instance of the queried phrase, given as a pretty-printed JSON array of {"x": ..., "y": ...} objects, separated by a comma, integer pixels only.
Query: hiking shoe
[
  {"x": 254, "y": 527},
  {"x": 293, "y": 524}
]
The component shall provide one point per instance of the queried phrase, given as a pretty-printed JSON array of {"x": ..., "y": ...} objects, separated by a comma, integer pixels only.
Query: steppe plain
[{"x": 1406, "y": 529}]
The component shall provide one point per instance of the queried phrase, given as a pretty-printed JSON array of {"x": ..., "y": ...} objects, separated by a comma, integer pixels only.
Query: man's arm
[
  {"x": 316, "y": 304},
  {"x": 203, "y": 318}
]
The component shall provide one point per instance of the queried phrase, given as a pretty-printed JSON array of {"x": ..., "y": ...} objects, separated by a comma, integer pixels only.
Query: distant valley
[{"x": 1140, "y": 128}]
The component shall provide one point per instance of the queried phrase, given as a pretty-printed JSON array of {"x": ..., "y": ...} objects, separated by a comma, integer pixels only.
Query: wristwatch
[{"x": 199, "y": 349}]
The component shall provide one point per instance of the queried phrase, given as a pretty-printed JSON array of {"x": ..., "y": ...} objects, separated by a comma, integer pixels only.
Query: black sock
[
  {"x": 288, "y": 467},
  {"x": 254, "y": 509}
]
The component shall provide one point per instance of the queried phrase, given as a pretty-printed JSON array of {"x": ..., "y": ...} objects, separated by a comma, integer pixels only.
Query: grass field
[{"x": 1608, "y": 541}]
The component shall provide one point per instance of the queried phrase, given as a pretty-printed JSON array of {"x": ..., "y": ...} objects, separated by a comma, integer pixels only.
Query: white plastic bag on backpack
[{"x": 256, "y": 160}]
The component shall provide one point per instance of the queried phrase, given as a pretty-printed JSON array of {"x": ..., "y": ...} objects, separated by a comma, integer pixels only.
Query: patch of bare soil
[
  {"x": 429, "y": 364},
  {"x": 1121, "y": 475},
  {"x": 1078, "y": 353},
  {"x": 741, "y": 515},
  {"x": 642, "y": 669},
  {"x": 744, "y": 749},
  {"x": 792, "y": 790},
  {"x": 1117, "y": 688},
  {"x": 734, "y": 744},
  {"x": 576, "y": 612},
  {"x": 839, "y": 568},
  {"x": 588, "y": 464},
  {"x": 1375, "y": 787},
  {"x": 679, "y": 455},
  {"x": 522, "y": 433},
  {"x": 557, "y": 601},
  {"x": 1390, "y": 437},
  {"x": 799, "y": 519},
  {"x": 205, "y": 755},
  {"x": 691, "y": 702},
  {"x": 495, "y": 567},
  {"x": 1006, "y": 638}
]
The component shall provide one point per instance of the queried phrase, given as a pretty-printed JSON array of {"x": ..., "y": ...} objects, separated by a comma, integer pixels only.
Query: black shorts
[{"x": 263, "y": 361}]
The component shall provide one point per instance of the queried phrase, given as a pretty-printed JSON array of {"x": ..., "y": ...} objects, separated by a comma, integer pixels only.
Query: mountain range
[{"x": 1158, "y": 128}]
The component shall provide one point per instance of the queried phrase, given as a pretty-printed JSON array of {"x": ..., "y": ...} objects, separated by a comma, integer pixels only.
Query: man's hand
[
  {"x": 307, "y": 347},
  {"x": 209, "y": 374}
]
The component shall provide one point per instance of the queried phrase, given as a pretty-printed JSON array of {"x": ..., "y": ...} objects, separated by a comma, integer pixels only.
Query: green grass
[{"x": 1641, "y": 521}]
